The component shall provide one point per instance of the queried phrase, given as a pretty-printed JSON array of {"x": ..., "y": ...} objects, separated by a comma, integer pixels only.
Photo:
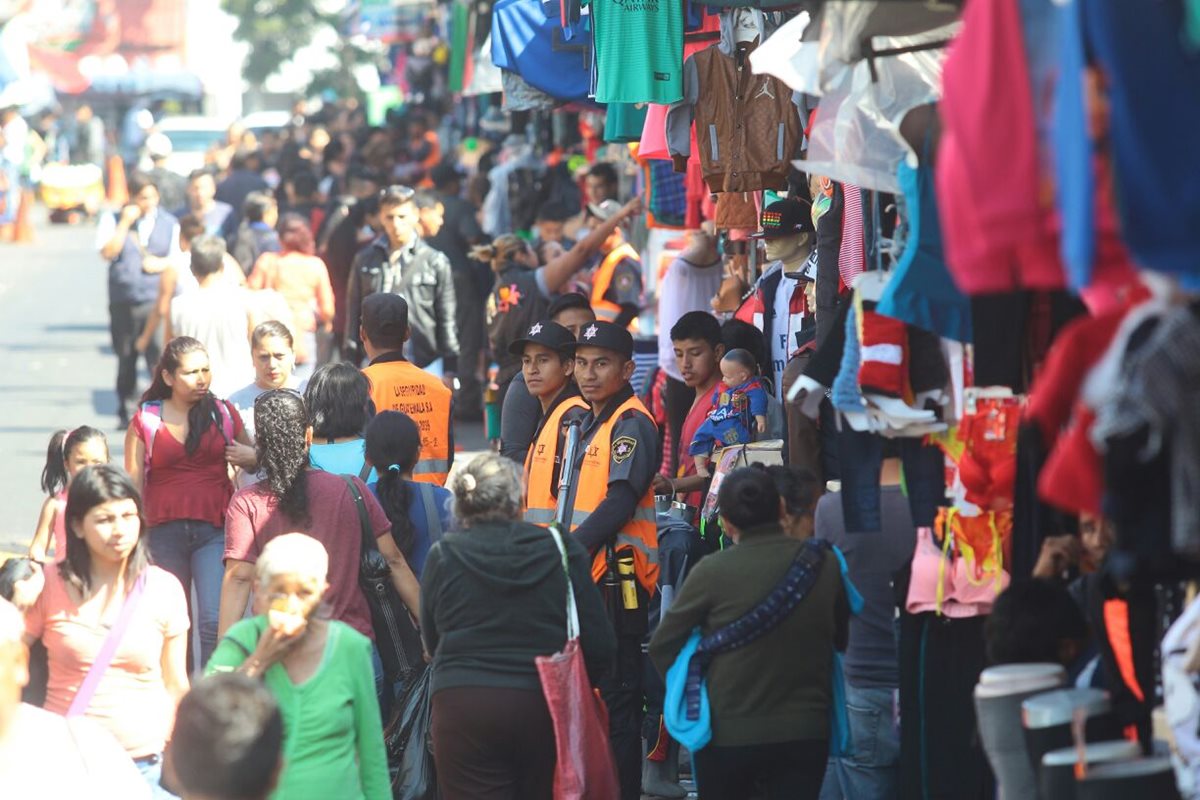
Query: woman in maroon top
[{"x": 185, "y": 481}]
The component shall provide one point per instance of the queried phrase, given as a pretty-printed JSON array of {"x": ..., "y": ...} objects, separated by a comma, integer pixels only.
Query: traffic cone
[
  {"x": 118, "y": 189},
  {"x": 23, "y": 225}
]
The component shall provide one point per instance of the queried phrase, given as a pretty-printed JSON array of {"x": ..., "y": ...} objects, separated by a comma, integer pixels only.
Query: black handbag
[{"x": 396, "y": 635}]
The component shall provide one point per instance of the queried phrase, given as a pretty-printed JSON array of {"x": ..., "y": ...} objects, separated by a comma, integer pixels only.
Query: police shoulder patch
[{"x": 622, "y": 449}]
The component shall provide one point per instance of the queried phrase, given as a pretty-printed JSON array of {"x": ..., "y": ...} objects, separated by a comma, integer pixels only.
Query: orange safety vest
[
  {"x": 540, "y": 504},
  {"x": 403, "y": 386},
  {"x": 607, "y": 310},
  {"x": 640, "y": 533}
]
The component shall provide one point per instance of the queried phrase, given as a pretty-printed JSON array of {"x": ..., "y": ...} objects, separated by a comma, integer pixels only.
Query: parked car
[{"x": 191, "y": 138}]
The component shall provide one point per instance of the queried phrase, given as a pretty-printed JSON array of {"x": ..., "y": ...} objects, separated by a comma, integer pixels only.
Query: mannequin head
[{"x": 788, "y": 248}]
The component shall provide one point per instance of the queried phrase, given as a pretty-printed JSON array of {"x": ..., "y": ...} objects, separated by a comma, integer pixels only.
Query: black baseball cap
[
  {"x": 385, "y": 317},
  {"x": 608, "y": 336},
  {"x": 547, "y": 334},
  {"x": 785, "y": 218}
]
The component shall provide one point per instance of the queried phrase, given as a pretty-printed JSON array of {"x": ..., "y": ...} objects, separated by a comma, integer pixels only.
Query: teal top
[{"x": 333, "y": 734}]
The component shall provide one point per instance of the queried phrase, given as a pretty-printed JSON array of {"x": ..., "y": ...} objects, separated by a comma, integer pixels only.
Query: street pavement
[{"x": 56, "y": 364}]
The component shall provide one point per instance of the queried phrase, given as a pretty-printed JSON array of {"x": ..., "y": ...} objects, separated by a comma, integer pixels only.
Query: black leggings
[{"x": 781, "y": 771}]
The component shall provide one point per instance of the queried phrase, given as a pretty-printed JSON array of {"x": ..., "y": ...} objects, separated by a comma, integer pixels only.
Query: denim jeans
[
  {"x": 192, "y": 551},
  {"x": 860, "y": 459},
  {"x": 151, "y": 770},
  {"x": 873, "y": 772}
]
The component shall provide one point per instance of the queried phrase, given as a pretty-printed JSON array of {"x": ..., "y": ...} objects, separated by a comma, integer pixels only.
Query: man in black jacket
[{"x": 401, "y": 263}]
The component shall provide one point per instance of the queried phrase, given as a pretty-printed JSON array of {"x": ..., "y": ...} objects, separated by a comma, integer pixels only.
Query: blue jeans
[
  {"x": 192, "y": 551},
  {"x": 151, "y": 770},
  {"x": 873, "y": 772}
]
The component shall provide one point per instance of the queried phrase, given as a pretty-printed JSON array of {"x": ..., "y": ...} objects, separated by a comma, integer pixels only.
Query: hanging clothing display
[
  {"x": 921, "y": 292},
  {"x": 639, "y": 50},
  {"x": 624, "y": 122},
  {"x": 529, "y": 40},
  {"x": 1152, "y": 79},
  {"x": 747, "y": 127}
]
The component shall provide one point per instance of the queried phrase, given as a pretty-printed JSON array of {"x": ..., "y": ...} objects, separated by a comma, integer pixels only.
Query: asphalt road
[{"x": 56, "y": 364}]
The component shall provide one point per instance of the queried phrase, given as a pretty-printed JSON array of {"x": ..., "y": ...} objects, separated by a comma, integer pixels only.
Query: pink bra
[{"x": 950, "y": 583}]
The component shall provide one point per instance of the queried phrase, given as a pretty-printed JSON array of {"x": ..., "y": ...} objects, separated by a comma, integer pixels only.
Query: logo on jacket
[
  {"x": 622, "y": 449},
  {"x": 765, "y": 89}
]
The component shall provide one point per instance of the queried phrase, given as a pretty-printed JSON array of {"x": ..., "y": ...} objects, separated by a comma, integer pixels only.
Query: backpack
[{"x": 152, "y": 422}]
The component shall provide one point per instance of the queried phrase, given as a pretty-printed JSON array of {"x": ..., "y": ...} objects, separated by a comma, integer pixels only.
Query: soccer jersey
[{"x": 639, "y": 50}]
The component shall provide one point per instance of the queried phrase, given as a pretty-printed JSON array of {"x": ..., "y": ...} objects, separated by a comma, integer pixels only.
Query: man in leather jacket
[{"x": 401, "y": 263}]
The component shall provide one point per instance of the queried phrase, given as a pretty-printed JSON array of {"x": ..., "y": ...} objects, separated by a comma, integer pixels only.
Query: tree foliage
[{"x": 275, "y": 30}]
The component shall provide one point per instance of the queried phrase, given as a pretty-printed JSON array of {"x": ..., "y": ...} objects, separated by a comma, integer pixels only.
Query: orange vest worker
[
  {"x": 540, "y": 473},
  {"x": 607, "y": 310},
  {"x": 640, "y": 533},
  {"x": 399, "y": 385}
]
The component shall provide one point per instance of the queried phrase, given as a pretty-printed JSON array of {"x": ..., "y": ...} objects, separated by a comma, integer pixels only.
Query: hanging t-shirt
[
  {"x": 783, "y": 329},
  {"x": 639, "y": 50}
]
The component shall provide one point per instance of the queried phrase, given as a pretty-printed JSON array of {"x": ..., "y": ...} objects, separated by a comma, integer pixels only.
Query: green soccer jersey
[{"x": 639, "y": 50}]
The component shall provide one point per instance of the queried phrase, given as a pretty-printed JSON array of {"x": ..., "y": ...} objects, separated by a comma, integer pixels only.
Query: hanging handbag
[
  {"x": 396, "y": 635},
  {"x": 585, "y": 768}
]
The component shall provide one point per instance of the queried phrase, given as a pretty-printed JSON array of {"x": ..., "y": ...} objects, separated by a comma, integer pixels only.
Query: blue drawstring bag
[
  {"x": 693, "y": 734},
  {"x": 841, "y": 743}
]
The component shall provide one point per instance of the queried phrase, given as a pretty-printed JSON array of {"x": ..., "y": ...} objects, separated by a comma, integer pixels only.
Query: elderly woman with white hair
[
  {"x": 493, "y": 598},
  {"x": 319, "y": 671}
]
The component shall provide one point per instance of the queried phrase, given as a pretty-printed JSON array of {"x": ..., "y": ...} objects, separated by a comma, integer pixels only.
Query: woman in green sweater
[
  {"x": 771, "y": 697},
  {"x": 320, "y": 673}
]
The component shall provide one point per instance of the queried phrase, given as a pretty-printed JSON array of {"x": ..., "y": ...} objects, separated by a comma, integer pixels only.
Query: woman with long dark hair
[
  {"x": 303, "y": 279},
  {"x": 295, "y": 498},
  {"x": 338, "y": 398},
  {"x": 175, "y": 451},
  {"x": 107, "y": 587},
  {"x": 419, "y": 512}
]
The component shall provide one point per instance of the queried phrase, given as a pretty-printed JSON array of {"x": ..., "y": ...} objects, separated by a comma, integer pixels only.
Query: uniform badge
[
  {"x": 622, "y": 449},
  {"x": 591, "y": 332},
  {"x": 625, "y": 281}
]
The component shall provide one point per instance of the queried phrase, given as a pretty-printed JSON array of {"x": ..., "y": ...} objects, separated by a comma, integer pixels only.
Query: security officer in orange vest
[
  {"x": 616, "y": 293},
  {"x": 399, "y": 385},
  {"x": 547, "y": 353},
  {"x": 612, "y": 514}
]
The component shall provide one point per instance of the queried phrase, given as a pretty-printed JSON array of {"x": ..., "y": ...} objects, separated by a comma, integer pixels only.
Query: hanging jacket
[{"x": 747, "y": 127}]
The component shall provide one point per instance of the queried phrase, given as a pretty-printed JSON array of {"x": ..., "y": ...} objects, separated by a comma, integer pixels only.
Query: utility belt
[{"x": 626, "y": 602}]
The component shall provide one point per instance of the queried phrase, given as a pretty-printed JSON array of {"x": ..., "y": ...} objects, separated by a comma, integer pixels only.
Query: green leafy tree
[{"x": 275, "y": 30}]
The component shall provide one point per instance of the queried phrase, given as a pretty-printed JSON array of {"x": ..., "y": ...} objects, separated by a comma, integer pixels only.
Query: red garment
[
  {"x": 180, "y": 486},
  {"x": 691, "y": 424},
  {"x": 988, "y": 467},
  {"x": 254, "y": 519},
  {"x": 993, "y": 216}
]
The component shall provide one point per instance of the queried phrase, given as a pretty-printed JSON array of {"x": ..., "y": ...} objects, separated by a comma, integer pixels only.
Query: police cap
[
  {"x": 547, "y": 334},
  {"x": 608, "y": 336}
]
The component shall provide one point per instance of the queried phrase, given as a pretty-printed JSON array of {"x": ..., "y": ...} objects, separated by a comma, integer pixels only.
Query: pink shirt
[
  {"x": 131, "y": 700},
  {"x": 254, "y": 519}
]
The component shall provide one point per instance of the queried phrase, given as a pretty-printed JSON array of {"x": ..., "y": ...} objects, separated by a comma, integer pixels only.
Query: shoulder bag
[
  {"x": 83, "y": 698},
  {"x": 396, "y": 635},
  {"x": 585, "y": 768}
]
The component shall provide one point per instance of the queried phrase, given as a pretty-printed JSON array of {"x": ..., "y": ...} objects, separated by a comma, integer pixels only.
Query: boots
[{"x": 661, "y": 778}]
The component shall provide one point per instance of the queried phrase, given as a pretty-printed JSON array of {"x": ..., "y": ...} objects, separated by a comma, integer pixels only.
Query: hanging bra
[{"x": 961, "y": 577}]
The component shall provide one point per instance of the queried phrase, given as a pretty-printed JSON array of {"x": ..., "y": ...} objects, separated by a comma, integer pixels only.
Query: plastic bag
[{"x": 409, "y": 741}]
